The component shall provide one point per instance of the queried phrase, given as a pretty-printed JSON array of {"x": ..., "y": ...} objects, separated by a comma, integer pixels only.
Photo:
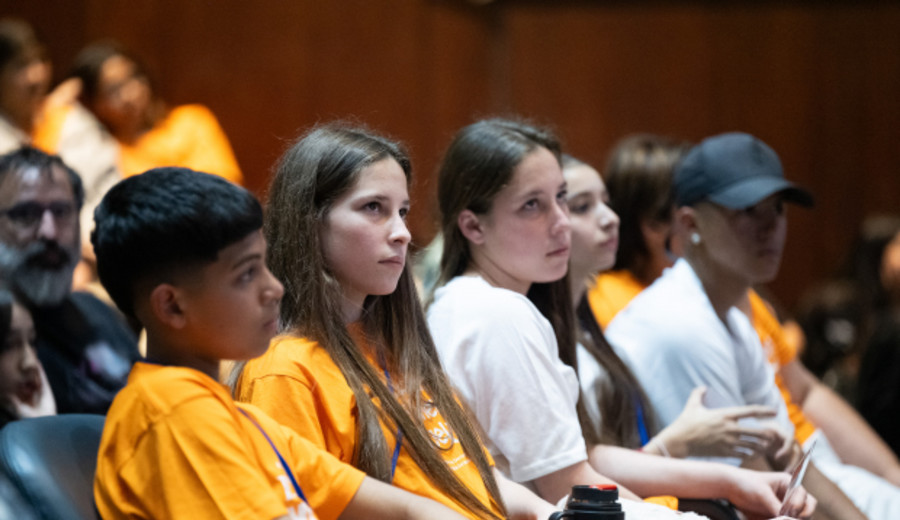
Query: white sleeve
[
  {"x": 590, "y": 377},
  {"x": 504, "y": 364}
]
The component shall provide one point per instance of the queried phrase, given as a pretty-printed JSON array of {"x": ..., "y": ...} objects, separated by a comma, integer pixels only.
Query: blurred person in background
[
  {"x": 52, "y": 121},
  {"x": 638, "y": 175},
  {"x": 116, "y": 87},
  {"x": 24, "y": 390},
  {"x": 83, "y": 344},
  {"x": 878, "y": 278}
]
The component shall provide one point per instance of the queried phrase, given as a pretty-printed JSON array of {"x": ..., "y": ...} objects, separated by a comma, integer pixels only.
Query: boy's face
[{"x": 231, "y": 306}]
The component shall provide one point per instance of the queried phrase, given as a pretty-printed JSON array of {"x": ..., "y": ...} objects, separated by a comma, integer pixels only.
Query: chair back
[{"x": 51, "y": 460}]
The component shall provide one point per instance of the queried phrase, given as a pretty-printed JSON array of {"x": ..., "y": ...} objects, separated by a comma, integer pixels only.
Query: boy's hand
[{"x": 716, "y": 432}]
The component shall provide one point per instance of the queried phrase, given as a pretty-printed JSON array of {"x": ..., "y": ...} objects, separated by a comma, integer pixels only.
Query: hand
[
  {"x": 758, "y": 494},
  {"x": 780, "y": 458},
  {"x": 66, "y": 93},
  {"x": 702, "y": 431},
  {"x": 800, "y": 504}
]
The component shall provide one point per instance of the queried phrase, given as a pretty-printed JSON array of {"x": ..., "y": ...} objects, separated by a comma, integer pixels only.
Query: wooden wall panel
[
  {"x": 812, "y": 81},
  {"x": 818, "y": 81}
]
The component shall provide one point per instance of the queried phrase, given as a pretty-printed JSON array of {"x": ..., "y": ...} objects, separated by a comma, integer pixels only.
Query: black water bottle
[{"x": 592, "y": 503}]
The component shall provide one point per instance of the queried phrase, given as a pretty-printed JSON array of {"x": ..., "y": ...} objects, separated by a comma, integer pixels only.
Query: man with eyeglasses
[{"x": 85, "y": 347}]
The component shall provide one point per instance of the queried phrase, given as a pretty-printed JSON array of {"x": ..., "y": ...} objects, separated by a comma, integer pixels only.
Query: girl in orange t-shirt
[
  {"x": 116, "y": 88},
  {"x": 355, "y": 369}
]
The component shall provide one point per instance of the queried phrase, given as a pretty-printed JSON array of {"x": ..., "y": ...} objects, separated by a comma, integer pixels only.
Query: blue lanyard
[
  {"x": 641, "y": 424},
  {"x": 399, "y": 434},
  {"x": 284, "y": 464}
]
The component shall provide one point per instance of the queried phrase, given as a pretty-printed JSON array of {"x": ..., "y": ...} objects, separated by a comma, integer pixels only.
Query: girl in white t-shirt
[{"x": 504, "y": 325}]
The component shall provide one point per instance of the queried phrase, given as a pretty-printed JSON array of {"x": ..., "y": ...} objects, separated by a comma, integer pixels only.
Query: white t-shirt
[
  {"x": 674, "y": 341},
  {"x": 501, "y": 356},
  {"x": 591, "y": 375}
]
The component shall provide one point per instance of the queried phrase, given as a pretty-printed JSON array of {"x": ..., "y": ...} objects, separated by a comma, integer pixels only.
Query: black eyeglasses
[{"x": 28, "y": 215}]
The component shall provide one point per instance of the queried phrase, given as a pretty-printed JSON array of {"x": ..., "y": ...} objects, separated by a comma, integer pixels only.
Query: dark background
[{"x": 819, "y": 81}]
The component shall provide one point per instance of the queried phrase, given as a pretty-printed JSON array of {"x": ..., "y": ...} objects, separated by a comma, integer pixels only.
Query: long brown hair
[
  {"x": 320, "y": 167},
  {"x": 619, "y": 394},
  {"x": 478, "y": 164},
  {"x": 638, "y": 176}
]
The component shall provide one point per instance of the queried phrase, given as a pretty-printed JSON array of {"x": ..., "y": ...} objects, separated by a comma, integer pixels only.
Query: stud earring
[{"x": 695, "y": 238}]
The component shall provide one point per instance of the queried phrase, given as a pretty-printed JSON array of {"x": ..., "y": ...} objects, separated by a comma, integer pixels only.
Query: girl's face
[
  {"x": 525, "y": 237},
  {"x": 19, "y": 366},
  {"x": 123, "y": 97},
  {"x": 595, "y": 227},
  {"x": 364, "y": 236},
  {"x": 744, "y": 243}
]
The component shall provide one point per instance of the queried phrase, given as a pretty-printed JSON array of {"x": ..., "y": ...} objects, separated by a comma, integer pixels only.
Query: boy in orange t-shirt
[{"x": 182, "y": 252}]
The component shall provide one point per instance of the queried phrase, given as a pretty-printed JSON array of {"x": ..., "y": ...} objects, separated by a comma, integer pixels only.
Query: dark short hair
[
  {"x": 166, "y": 222},
  {"x": 29, "y": 157}
]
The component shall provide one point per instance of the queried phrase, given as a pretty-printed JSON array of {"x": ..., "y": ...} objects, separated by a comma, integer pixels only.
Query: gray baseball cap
[{"x": 735, "y": 170}]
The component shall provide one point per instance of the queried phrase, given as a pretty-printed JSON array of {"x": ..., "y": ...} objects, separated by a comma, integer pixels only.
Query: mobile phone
[{"x": 797, "y": 475}]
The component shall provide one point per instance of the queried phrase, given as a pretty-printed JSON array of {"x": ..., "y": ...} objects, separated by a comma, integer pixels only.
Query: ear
[
  {"x": 470, "y": 226},
  {"x": 685, "y": 220},
  {"x": 166, "y": 306}
]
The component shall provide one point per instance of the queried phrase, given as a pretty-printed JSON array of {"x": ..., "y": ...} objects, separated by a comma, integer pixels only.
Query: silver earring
[{"x": 695, "y": 238}]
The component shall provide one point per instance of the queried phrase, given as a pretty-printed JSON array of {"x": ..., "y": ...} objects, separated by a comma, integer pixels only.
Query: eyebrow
[
  {"x": 579, "y": 195},
  {"x": 380, "y": 197},
  {"x": 250, "y": 257},
  {"x": 535, "y": 192}
]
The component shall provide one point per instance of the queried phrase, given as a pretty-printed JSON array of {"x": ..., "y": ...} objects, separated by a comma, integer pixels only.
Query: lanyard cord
[
  {"x": 399, "y": 435},
  {"x": 641, "y": 424},
  {"x": 284, "y": 464}
]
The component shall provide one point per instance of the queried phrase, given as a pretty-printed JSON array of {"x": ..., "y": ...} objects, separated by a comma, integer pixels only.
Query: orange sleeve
[
  {"x": 665, "y": 501},
  {"x": 47, "y": 133},
  {"x": 212, "y": 152},
  {"x": 610, "y": 292},
  {"x": 304, "y": 414},
  {"x": 201, "y": 468},
  {"x": 780, "y": 352},
  {"x": 333, "y": 483}
]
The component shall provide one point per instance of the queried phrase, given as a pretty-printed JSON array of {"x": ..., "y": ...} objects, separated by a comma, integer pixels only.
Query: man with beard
[{"x": 85, "y": 347}]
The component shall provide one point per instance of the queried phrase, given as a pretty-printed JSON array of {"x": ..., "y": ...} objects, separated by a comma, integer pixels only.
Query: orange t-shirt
[
  {"x": 611, "y": 292},
  {"x": 189, "y": 136},
  {"x": 779, "y": 352},
  {"x": 298, "y": 383},
  {"x": 47, "y": 133},
  {"x": 175, "y": 445}
]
